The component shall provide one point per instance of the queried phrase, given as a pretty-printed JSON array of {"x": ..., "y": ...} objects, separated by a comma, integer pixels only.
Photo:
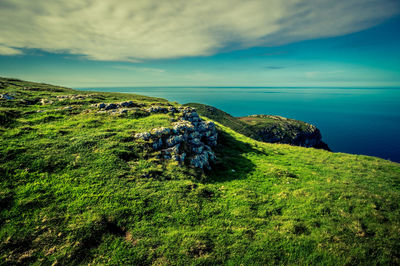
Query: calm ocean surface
[{"x": 351, "y": 120}]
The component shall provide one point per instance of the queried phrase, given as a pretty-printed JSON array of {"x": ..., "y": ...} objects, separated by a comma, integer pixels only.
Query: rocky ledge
[{"x": 190, "y": 140}]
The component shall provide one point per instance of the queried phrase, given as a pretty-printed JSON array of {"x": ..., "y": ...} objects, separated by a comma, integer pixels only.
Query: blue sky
[{"x": 346, "y": 43}]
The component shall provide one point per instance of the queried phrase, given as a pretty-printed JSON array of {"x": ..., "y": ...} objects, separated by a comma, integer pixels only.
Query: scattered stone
[
  {"x": 184, "y": 126},
  {"x": 195, "y": 141},
  {"x": 158, "y": 132},
  {"x": 46, "y": 101},
  {"x": 175, "y": 139},
  {"x": 115, "y": 106},
  {"x": 198, "y": 149},
  {"x": 111, "y": 106},
  {"x": 157, "y": 144},
  {"x": 172, "y": 110},
  {"x": 101, "y": 105},
  {"x": 157, "y": 109},
  {"x": 145, "y": 136},
  {"x": 6, "y": 96},
  {"x": 127, "y": 104}
]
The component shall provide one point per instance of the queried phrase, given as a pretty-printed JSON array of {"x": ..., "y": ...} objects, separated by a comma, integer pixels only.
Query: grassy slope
[
  {"x": 225, "y": 119},
  {"x": 73, "y": 191}
]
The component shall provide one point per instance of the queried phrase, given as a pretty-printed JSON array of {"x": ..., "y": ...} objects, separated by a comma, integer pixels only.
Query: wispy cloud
[
  {"x": 151, "y": 29},
  {"x": 143, "y": 69},
  {"x": 4, "y": 50}
]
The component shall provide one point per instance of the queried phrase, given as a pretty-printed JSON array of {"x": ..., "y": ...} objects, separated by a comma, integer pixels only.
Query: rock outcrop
[
  {"x": 267, "y": 128},
  {"x": 277, "y": 129},
  {"x": 190, "y": 140}
]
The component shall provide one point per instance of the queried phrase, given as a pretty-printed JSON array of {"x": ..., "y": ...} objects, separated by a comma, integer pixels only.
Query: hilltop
[{"x": 86, "y": 178}]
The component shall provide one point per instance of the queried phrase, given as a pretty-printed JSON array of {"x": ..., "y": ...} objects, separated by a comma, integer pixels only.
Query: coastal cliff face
[
  {"x": 267, "y": 128},
  {"x": 277, "y": 129}
]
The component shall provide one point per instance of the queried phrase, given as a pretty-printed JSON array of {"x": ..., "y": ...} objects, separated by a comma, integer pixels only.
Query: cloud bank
[{"x": 127, "y": 30}]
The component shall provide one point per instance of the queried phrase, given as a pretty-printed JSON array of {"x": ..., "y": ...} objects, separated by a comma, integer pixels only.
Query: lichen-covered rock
[
  {"x": 46, "y": 101},
  {"x": 171, "y": 151},
  {"x": 157, "y": 144},
  {"x": 114, "y": 106},
  {"x": 195, "y": 141},
  {"x": 194, "y": 135},
  {"x": 174, "y": 139},
  {"x": 111, "y": 106},
  {"x": 127, "y": 104},
  {"x": 198, "y": 149},
  {"x": 158, "y": 132},
  {"x": 201, "y": 160},
  {"x": 143, "y": 135},
  {"x": 157, "y": 109},
  {"x": 182, "y": 127},
  {"x": 172, "y": 109}
]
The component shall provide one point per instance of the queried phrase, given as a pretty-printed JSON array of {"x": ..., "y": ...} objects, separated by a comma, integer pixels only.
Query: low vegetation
[{"x": 77, "y": 188}]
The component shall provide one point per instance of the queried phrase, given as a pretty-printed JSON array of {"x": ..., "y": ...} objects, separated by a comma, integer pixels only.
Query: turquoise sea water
[{"x": 352, "y": 120}]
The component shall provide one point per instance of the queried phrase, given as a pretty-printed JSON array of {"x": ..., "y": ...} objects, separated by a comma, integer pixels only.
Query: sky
[{"x": 104, "y": 43}]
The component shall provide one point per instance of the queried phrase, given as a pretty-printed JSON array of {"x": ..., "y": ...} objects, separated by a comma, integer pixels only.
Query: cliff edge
[{"x": 267, "y": 128}]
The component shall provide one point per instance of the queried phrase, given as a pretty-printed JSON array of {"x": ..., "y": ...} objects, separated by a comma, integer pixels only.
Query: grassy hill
[{"x": 78, "y": 188}]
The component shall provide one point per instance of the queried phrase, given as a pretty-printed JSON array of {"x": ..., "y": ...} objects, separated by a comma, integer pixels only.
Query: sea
[{"x": 352, "y": 120}]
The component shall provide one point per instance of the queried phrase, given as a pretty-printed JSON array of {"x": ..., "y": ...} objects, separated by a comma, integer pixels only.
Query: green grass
[{"x": 77, "y": 189}]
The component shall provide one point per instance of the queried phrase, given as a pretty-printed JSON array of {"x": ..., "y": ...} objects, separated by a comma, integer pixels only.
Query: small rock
[
  {"x": 198, "y": 149},
  {"x": 173, "y": 140},
  {"x": 6, "y": 96},
  {"x": 172, "y": 110},
  {"x": 157, "y": 144},
  {"x": 127, "y": 104},
  {"x": 160, "y": 131},
  {"x": 111, "y": 106},
  {"x": 157, "y": 109},
  {"x": 194, "y": 135},
  {"x": 145, "y": 136},
  {"x": 195, "y": 141}
]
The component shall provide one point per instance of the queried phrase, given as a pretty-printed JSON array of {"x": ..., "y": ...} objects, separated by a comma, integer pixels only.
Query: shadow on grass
[{"x": 231, "y": 163}]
